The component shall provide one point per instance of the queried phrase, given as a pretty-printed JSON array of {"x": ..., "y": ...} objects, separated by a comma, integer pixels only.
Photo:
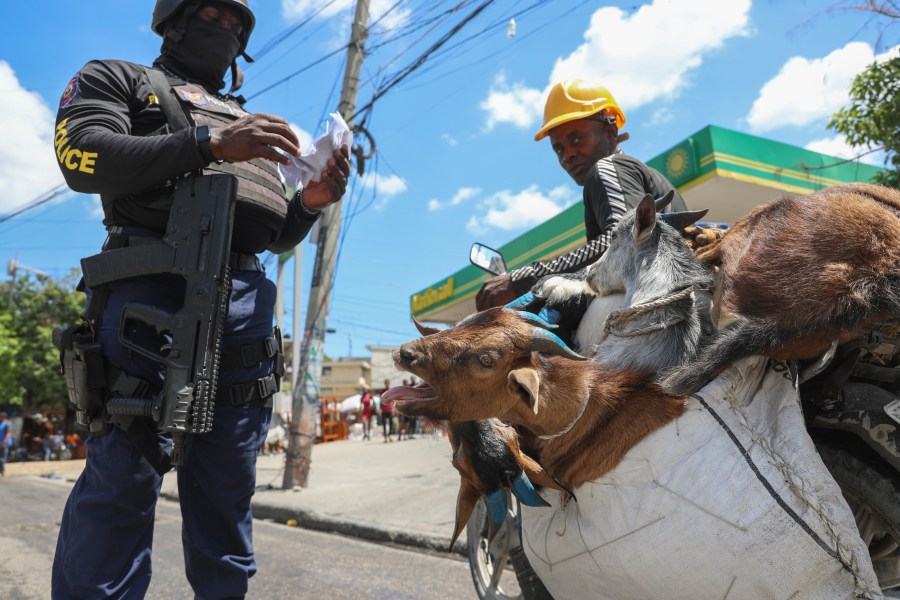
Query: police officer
[
  {"x": 114, "y": 138},
  {"x": 582, "y": 120}
]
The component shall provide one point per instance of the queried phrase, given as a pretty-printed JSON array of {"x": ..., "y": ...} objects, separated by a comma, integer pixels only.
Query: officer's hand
[
  {"x": 254, "y": 136},
  {"x": 496, "y": 291},
  {"x": 331, "y": 184}
]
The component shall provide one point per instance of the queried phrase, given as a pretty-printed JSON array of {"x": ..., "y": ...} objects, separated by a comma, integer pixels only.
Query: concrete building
[
  {"x": 345, "y": 376},
  {"x": 383, "y": 367},
  {"x": 726, "y": 171}
]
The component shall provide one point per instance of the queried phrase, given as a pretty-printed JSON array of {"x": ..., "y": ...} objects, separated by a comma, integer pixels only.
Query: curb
[{"x": 310, "y": 519}]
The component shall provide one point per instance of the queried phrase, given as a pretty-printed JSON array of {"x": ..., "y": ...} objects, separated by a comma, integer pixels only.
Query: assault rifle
[{"x": 196, "y": 246}]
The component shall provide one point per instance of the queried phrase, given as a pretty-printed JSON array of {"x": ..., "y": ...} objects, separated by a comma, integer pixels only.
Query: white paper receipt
[{"x": 310, "y": 164}]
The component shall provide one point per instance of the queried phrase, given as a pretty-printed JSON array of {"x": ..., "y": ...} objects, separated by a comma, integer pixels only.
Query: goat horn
[
  {"x": 537, "y": 320},
  {"x": 680, "y": 220},
  {"x": 521, "y": 302},
  {"x": 424, "y": 329},
  {"x": 663, "y": 202},
  {"x": 544, "y": 341}
]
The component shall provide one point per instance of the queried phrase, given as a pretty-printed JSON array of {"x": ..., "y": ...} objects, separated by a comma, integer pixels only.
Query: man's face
[
  {"x": 579, "y": 144},
  {"x": 223, "y": 16}
]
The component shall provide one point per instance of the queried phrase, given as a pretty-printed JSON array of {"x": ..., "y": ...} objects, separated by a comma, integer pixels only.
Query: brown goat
[
  {"x": 799, "y": 273},
  {"x": 584, "y": 418}
]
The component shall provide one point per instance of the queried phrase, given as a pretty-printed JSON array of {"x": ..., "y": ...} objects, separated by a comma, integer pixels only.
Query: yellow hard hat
[{"x": 576, "y": 99}]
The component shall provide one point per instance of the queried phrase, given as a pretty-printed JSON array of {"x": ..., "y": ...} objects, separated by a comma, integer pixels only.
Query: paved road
[{"x": 294, "y": 563}]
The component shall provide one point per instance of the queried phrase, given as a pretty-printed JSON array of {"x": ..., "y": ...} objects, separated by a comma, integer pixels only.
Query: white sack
[{"x": 731, "y": 501}]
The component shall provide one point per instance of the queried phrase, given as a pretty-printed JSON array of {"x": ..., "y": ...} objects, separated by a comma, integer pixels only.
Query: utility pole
[{"x": 305, "y": 395}]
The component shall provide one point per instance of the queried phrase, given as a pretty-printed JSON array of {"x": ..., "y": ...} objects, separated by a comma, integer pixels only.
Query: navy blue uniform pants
[{"x": 106, "y": 534}]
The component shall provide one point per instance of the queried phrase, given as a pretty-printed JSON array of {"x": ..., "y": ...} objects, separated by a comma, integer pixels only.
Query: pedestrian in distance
[
  {"x": 367, "y": 410},
  {"x": 134, "y": 135},
  {"x": 387, "y": 415},
  {"x": 6, "y": 441},
  {"x": 583, "y": 121}
]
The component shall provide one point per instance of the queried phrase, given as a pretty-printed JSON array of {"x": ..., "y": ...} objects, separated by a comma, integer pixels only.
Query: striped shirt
[{"x": 616, "y": 184}]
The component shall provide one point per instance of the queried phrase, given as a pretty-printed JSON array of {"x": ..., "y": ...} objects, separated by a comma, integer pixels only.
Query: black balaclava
[{"x": 204, "y": 53}]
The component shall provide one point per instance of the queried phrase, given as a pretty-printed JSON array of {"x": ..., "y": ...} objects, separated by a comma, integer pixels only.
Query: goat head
[{"x": 484, "y": 367}]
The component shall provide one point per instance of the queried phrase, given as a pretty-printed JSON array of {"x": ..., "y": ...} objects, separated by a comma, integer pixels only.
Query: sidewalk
[{"x": 400, "y": 492}]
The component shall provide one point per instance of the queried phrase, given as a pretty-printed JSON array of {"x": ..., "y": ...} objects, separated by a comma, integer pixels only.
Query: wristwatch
[{"x": 203, "y": 138}]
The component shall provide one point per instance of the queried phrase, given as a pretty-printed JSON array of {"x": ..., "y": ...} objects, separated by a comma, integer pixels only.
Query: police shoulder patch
[{"x": 69, "y": 93}]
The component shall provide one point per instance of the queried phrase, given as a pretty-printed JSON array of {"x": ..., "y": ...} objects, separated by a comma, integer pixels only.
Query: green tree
[
  {"x": 10, "y": 352},
  {"x": 872, "y": 119},
  {"x": 30, "y": 364}
]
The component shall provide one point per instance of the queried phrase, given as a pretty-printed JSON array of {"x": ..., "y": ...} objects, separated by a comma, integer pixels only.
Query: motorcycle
[{"x": 851, "y": 404}]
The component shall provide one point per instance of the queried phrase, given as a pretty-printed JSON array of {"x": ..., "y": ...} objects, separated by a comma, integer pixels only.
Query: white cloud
[
  {"x": 509, "y": 210},
  {"x": 514, "y": 104},
  {"x": 641, "y": 57},
  {"x": 462, "y": 194},
  {"x": 807, "y": 90},
  {"x": 28, "y": 166},
  {"x": 295, "y": 10},
  {"x": 838, "y": 146},
  {"x": 385, "y": 187},
  {"x": 661, "y": 116},
  {"x": 388, "y": 186},
  {"x": 451, "y": 141}
]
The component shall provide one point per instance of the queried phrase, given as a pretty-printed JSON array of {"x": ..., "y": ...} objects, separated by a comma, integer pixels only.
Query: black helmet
[{"x": 165, "y": 10}]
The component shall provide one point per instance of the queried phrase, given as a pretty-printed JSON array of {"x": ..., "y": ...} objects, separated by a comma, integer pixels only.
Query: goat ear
[
  {"x": 424, "y": 329},
  {"x": 529, "y": 381},
  {"x": 465, "y": 505},
  {"x": 644, "y": 219}
]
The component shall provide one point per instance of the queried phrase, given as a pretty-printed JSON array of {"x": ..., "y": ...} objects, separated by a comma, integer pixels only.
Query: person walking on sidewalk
[
  {"x": 387, "y": 414},
  {"x": 367, "y": 408},
  {"x": 134, "y": 135},
  {"x": 6, "y": 441}
]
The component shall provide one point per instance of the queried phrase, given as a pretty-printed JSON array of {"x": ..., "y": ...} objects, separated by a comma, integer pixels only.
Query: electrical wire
[
  {"x": 423, "y": 57},
  {"x": 280, "y": 38},
  {"x": 42, "y": 199},
  {"x": 298, "y": 71}
]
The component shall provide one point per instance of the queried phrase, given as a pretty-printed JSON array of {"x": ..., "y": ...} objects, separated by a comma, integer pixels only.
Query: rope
[
  {"x": 568, "y": 427},
  {"x": 619, "y": 318}
]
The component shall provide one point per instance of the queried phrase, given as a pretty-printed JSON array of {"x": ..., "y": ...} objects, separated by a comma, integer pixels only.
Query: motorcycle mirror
[{"x": 487, "y": 258}]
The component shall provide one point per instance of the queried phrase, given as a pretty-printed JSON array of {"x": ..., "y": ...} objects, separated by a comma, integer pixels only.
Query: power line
[
  {"x": 42, "y": 199},
  {"x": 280, "y": 38},
  {"x": 298, "y": 71},
  {"x": 423, "y": 57}
]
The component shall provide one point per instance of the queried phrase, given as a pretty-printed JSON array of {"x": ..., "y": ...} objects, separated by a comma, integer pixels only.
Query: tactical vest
[{"x": 260, "y": 191}]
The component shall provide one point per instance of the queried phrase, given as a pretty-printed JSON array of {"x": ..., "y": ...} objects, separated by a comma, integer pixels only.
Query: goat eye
[{"x": 486, "y": 360}]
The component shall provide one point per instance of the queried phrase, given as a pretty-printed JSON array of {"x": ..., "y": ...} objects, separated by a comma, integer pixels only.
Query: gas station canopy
[{"x": 726, "y": 171}]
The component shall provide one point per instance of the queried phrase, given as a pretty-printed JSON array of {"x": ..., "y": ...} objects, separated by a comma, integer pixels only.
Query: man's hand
[
  {"x": 331, "y": 185},
  {"x": 255, "y": 136},
  {"x": 496, "y": 291}
]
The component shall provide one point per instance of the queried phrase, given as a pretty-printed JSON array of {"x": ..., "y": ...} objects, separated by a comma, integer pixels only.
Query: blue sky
[{"x": 456, "y": 159}]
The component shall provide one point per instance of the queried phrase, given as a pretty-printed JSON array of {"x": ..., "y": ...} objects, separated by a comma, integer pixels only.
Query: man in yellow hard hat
[{"x": 582, "y": 120}]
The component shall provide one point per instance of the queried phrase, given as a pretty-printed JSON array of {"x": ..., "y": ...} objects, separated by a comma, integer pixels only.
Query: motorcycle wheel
[
  {"x": 872, "y": 489},
  {"x": 489, "y": 561}
]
